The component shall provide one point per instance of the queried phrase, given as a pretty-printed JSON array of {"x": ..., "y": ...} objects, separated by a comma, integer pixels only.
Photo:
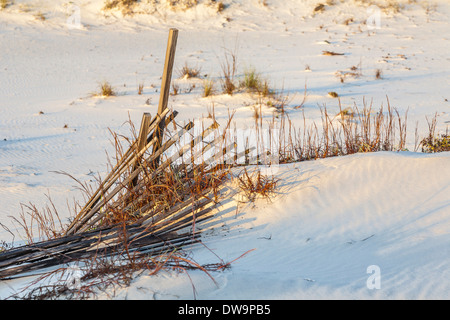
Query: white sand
[{"x": 332, "y": 219}]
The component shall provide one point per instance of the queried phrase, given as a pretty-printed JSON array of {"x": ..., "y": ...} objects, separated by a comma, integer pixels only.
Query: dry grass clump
[
  {"x": 435, "y": 142},
  {"x": 40, "y": 16},
  {"x": 4, "y": 4},
  {"x": 220, "y": 6},
  {"x": 106, "y": 90},
  {"x": 182, "y": 4},
  {"x": 253, "y": 82},
  {"x": 208, "y": 88},
  {"x": 126, "y": 6},
  {"x": 390, "y": 6},
  {"x": 189, "y": 72},
  {"x": 256, "y": 184},
  {"x": 39, "y": 225},
  {"x": 229, "y": 69}
]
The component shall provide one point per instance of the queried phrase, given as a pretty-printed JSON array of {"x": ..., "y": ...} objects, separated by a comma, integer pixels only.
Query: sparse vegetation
[
  {"x": 189, "y": 72},
  {"x": 435, "y": 142},
  {"x": 319, "y": 8},
  {"x": 346, "y": 113},
  {"x": 333, "y": 94},
  {"x": 251, "y": 81},
  {"x": 126, "y": 6},
  {"x": 278, "y": 100},
  {"x": 256, "y": 184},
  {"x": 208, "y": 88},
  {"x": 182, "y": 4},
  {"x": 354, "y": 72},
  {"x": 355, "y": 131},
  {"x": 119, "y": 255},
  {"x": 4, "y": 4},
  {"x": 229, "y": 69},
  {"x": 220, "y": 6},
  {"x": 106, "y": 90},
  {"x": 40, "y": 16},
  {"x": 348, "y": 21},
  {"x": 438, "y": 143},
  {"x": 378, "y": 74},
  {"x": 175, "y": 88}
]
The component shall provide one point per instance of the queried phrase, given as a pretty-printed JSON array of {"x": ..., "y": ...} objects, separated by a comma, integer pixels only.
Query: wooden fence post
[
  {"x": 142, "y": 141},
  {"x": 165, "y": 86}
]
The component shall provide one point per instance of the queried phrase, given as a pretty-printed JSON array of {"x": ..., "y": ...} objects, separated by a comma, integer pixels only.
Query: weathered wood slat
[
  {"x": 149, "y": 245},
  {"x": 88, "y": 216},
  {"x": 159, "y": 225},
  {"x": 115, "y": 173},
  {"x": 165, "y": 86},
  {"x": 175, "y": 157}
]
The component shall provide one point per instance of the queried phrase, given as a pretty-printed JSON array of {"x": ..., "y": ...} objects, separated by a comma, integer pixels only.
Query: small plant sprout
[
  {"x": 140, "y": 88},
  {"x": 305, "y": 95},
  {"x": 378, "y": 74},
  {"x": 175, "y": 88},
  {"x": 208, "y": 88}
]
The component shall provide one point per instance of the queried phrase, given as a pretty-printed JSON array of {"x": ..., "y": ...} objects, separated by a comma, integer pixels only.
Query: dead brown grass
[
  {"x": 229, "y": 69},
  {"x": 256, "y": 184}
]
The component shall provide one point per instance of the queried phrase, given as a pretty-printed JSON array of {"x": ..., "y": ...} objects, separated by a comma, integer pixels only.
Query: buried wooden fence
[
  {"x": 148, "y": 203},
  {"x": 140, "y": 208}
]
